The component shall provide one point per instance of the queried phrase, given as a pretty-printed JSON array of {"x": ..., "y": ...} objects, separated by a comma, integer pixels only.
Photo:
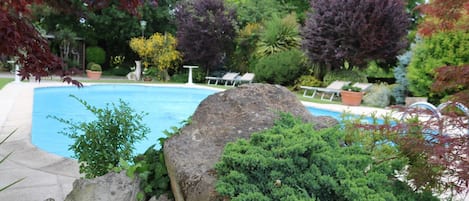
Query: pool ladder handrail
[{"x": 437, "y": 110}]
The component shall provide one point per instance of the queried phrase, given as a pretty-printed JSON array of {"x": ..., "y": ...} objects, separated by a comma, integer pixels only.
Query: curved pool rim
[{"x": 309, "y": 105}]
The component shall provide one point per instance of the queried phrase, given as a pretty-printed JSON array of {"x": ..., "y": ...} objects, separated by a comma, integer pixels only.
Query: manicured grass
[{"x": 5, "y": 81}]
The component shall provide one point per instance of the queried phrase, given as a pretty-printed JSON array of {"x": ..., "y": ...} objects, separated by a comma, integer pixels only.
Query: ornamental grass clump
[{"x": 100, "y": 144}]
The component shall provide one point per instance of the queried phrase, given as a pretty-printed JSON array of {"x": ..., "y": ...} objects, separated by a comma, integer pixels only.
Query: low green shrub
[
  {"x": 101, "y": 144},
  {"x": 307, "y": 80},
  {"x": 95, "y": 54},
  {"x": 120, "y": 70},
  {"x": 280, "y": 68},
  {"x": 150, "y": 168},
  {"x": 181, "y": 77},
  {"x": 292, "y": 161},
  {"x": 353, "y": 75},
  {"x": 350, "y": 87},
  {"x": 378, "y": 96},
  {"x": 88, "y": 66},
  {"x": 95, "y": 67},
  {"x": 374, "y": 70}
]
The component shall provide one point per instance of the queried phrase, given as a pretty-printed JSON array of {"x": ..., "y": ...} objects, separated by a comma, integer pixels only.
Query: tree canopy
[
  {"x": 205, "y": 31},
  {"x": 444, "y": 15},
  {"x": 355, "y": 31},
  {"x": 22, "y": 40}
]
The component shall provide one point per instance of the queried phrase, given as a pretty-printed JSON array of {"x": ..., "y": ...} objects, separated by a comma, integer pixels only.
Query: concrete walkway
[{"x": 45, "y": 175}]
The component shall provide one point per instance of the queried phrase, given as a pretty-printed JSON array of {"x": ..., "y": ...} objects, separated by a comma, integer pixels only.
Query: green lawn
[{"x": 5, "y": 81}]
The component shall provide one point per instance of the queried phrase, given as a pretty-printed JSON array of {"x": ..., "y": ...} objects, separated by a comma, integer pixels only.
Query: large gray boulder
[
  {"x": 110, "y": 187},
  {"x": 221, "y": 118}
]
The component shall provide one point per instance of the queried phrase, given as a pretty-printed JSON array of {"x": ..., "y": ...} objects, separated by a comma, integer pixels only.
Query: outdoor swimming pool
[{"x": 167, "y": 107}]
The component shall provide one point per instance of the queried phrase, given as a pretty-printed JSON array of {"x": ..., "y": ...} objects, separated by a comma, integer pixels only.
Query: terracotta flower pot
[
  {"x": 351, "y": 98},
  {"x": 93, "y": 75},
  {"x": 147, "y": 79}
]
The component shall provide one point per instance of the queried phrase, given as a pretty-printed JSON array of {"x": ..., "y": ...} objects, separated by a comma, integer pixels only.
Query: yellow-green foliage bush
[
  {"x": 307, "y": 80},
  {"x": 159, "y": 50},
  {"x": 440, "y": 49}
]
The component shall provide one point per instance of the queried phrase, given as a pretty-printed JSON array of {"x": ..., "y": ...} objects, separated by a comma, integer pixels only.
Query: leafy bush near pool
[
  {"x": 306, "y": 80},
  {"x": 95, "y": 54},
  {"x": 378, "y": 96},
  {"x": 150, "y": 167},
  {"x": 181, "y": 77},
  {"x": 280, "y": 68},
  {"x": 292, "y": 161},
  {"x": 120, "y": 70},
  {"x": 99, "y": 145}
]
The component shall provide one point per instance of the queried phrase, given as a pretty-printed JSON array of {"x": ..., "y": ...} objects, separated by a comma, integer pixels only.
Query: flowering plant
[
  {"x": 117, "y": 60},
  {"x": 159, "y": 51}
]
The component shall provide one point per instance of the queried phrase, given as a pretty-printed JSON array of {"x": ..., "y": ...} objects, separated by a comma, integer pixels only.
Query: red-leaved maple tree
[
  {"x": 435, "y": 146},
  {"x": 453, "y": 81},
  {"x": 444, "y": 15},
  {"x": 20, "y": 38}
]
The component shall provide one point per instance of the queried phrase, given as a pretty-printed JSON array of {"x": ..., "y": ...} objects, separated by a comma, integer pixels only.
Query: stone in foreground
[
  {"x": 221, "y": 118},
  {"x": 110, "y": 187}
]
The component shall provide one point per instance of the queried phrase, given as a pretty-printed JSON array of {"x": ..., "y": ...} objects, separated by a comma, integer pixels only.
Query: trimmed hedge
[{"x": 95, "y": 54}]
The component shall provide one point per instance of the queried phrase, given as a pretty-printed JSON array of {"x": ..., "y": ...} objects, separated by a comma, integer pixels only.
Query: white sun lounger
[
  {"x": 226, "y": 78},
  {"x": 246, "y": 78},
  {"x": 364, "y": 86},
  {"x": 333, "y": 89}
]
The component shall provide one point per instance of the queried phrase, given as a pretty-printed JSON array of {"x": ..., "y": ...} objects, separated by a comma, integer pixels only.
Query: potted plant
[
  {"x": 148, "y": 73},
  {"x": 94, "y": 71},
  {"x": 351, "y": 95}
]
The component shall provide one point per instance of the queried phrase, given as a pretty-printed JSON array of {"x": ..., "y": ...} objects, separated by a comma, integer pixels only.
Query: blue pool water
[{"x": 167, "y": 107}]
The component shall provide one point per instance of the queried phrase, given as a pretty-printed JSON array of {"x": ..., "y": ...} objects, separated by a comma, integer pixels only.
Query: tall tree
[
  {"x": 205, "y": 32},
  {"x": 356, "y": 31},
  {"x": 22, "y": 40},
  {"x": 249, "y": 12}
]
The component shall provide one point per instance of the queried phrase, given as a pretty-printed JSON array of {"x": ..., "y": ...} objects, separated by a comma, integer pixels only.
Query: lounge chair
[
  {"x": 226, "y": 78},
  {"x": 246, "y": 78},
  {"x": 333, "y": 89},
  {"x": 364, "y": 86}
]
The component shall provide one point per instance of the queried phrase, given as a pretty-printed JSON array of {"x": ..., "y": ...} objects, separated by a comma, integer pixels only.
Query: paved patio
[{"x": 45, "y": 175}]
